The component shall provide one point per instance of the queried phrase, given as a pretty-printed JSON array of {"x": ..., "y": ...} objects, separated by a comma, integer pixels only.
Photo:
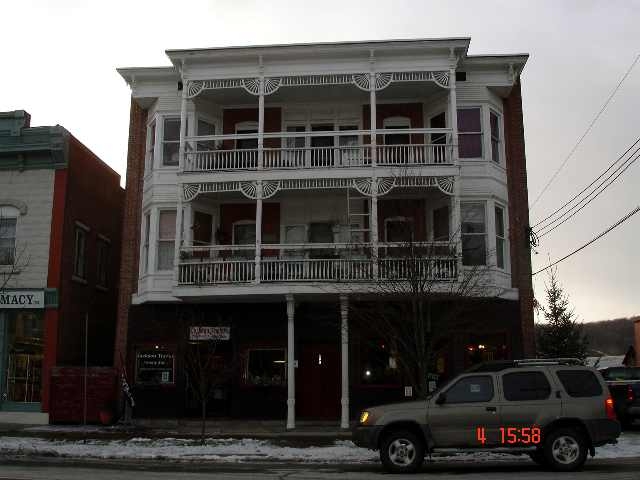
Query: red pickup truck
[{"x": 624, "y": 385}]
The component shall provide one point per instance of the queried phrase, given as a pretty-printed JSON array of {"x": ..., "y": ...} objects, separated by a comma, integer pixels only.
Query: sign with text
[
  {"x": 209, "y": 333},
  {"x": 22, "y": 299},
  {"x": 155, "y": 366}
]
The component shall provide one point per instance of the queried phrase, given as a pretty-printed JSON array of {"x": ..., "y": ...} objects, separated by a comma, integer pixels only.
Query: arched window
[{"x": 8, "y": 225}]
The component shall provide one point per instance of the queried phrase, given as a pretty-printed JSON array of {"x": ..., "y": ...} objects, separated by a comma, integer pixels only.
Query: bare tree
[
  {"x": 404, "y": 308},
  {"x": 13, "y": 257},
  {"x": 204, "y": 367}
]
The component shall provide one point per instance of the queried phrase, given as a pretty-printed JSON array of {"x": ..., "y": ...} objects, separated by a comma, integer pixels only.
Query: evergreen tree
[{"x": 561, "y": 335}]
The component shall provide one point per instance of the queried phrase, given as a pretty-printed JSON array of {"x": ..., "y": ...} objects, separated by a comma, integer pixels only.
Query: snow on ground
[{"x": 245, "y": 450}]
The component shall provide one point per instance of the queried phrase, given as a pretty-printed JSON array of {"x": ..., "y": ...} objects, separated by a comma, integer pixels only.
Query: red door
[{"x": 318, "y": 382}]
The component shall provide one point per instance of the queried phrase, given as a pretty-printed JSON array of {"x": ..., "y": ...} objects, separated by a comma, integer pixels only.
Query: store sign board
[
  {"x": 22, "y": 299},
  {"x": 209, "y": 333},
  {"x": 155, "y": 366}
]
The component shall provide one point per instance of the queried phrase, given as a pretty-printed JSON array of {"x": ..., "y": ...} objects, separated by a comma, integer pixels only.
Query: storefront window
[
  {"x": 155, "y": 366},
  {"x": 23, "y": 357},
  {"x": 378, "y": 364},
  {"x": 266, "y": 366}
]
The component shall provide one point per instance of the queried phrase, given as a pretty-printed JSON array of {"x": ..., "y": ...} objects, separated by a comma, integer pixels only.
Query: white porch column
[
  {"x": 344, "y": 315},
  {"x": 291, "y": 372},
  {"x": 183, "y": 125},
  {"x": 373, "y": 214},
  {"x": 261, "y": 117},
  {"x": 258, "y": 230},
  {"x": 188, "y": 224},
  {"x": 456, "y": 220}
]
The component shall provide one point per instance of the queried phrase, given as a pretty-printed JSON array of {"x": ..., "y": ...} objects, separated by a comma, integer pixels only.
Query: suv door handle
[{"x": 491, "y": 409}]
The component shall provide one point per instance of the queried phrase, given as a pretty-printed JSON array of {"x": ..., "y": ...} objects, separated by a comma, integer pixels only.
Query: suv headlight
[{"x": 364, "y": 416}]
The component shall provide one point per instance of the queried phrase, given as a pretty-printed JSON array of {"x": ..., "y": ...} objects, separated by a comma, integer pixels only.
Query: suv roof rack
[
  {"x": 499, "y": 365},
  {"x": 547, "y": 361}
]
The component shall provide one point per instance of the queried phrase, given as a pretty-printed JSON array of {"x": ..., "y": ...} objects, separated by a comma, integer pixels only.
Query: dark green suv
[{"x": 557, "y": 411}]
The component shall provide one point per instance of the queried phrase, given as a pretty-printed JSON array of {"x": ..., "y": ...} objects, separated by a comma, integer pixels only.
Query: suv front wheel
[
  {"x": 565, "y": 449},
  {"x": 402, "y": 452}
]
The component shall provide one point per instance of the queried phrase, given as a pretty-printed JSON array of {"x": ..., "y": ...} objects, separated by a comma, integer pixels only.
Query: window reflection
[{"x": 24, "y": 357}]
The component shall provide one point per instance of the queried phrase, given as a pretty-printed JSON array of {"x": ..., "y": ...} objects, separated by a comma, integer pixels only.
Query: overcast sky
[{"x": 59, "y": 60}]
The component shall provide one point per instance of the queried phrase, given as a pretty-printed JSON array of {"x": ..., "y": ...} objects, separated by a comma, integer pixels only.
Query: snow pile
[
  {"x": 229, "y": 450},
  {"x": 245, "y": 450}
]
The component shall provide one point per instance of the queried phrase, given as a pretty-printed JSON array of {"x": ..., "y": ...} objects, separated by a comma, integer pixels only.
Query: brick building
[
  {"x": 60, "y": 224},
  {"x": 268, "y": 185}
]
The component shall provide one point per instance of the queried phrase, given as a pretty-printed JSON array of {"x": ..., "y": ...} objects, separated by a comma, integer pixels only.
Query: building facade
[
  {"x": 267, "y": 187},
  {"x": 60, "y": 224}
]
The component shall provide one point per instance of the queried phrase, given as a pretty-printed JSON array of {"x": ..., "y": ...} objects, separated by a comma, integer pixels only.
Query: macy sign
[{"x": 22, "y": 299}]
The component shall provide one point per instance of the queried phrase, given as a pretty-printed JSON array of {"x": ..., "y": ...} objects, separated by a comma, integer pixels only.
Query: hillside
[{"x": 609, "y": 337}]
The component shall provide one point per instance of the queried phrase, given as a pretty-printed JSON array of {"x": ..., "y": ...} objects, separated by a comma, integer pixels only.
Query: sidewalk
[{"x": 305, "y": 432}]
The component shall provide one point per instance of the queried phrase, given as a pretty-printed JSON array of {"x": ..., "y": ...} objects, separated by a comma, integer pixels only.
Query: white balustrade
[
  {"x": 333, "y": 263},
  {"x": 291, "y": 155}
]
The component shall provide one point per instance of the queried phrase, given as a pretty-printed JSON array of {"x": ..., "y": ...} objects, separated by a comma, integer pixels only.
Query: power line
[
  {"x": 595, "y": 119},
  {"x": 572, "y": 212},
  {"x": 619, "y": 222},
  {"x": 570, "y": 201}
]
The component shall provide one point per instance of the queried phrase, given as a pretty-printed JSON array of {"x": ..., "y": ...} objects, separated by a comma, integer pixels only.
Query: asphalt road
[{"x": 55, "y": 469}]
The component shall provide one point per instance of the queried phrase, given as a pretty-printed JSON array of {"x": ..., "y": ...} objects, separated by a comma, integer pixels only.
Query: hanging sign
[
  {"x": 209, "y": 333},
  {"x": 21, "y": 299}
]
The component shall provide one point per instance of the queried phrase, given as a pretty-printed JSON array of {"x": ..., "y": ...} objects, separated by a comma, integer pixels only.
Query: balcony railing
[
  {"x": 345, "y": 149},
  {"x": 328, "y": 263}
]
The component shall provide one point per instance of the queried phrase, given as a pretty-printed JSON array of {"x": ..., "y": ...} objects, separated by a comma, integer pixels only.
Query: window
[
  {"x": 79, "y": 252},
  {"x": 155, "y": 366},
  {"x": 206, "y": 128},
  {"x": 247, "y": 128},
  {"x": 500, "y": 237},
  {"x": 295, "y": 154},
  {"x": 145, "y": 244},
  {"x": 471, "y": 389},
  {"x": 494, "y": 122},
  {"x": 398, "y": 229},
  {"x": 525, "y": 386},
  {"x": 8, "y": 224},
  {"x": 266, "y": 366},
  {"x": 349, "y": 146},
  {"x": 320, "y": 233},
  {"x": 474, "y": 230},
  {"x": 580, "y": 383},
  {"x": 441, "y": 224},
  {"x": 102, "y": 269},
  {"x": 170, "y": 142},
  {"x": 469, "y": 133},
  {"x": 151, "y": 143},
  {"x": 244, "y": 233},
  {"x": 621, "y": 373},
  {"x": 166, "y": 239},
  {"x": 24, "y": 337},
  {"x": 397, "y": 138},
  {"x": 378, "y": 364}
]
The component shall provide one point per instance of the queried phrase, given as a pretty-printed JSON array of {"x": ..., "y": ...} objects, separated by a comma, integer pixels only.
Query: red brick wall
[
  {"x": 67, "y": 393},
  {"x": 233, "y": 116},
  {"x": 129, "y": 259},
  {"x": 94, "y": 198},
  {"x": 52, "y": 315},
  {"x": 636, "y": 325},
  {"x": 519, "y": 214}
]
